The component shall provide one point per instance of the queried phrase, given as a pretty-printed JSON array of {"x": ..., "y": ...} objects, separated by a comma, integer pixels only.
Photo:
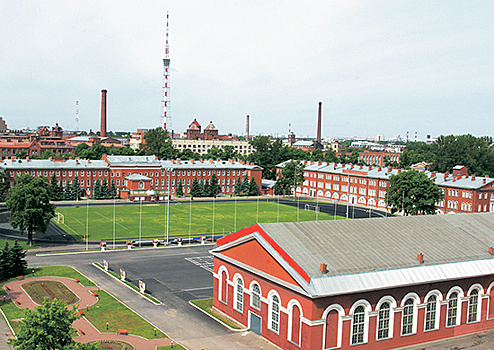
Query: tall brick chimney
[
  {"x": 319, "y": 115},
  {"x": 102, "y": 132},
  {"x": 247, "y": 129}
]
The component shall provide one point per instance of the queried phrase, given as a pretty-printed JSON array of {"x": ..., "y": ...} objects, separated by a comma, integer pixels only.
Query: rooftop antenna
[
  {"x": 77, "y": 116},
  {"x": 165, "y": 101}
]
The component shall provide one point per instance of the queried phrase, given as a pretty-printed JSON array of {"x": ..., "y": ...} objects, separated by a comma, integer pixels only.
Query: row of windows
[{"x": 409, "y": 307}]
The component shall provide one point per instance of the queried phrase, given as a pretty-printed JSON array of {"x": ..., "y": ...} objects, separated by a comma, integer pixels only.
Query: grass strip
[
  {"x": 169, "y": 347},
  {"x": 108, "y": 309},
  {"x": 207, "y": 306},
  {"x": 147, "y": 296},
  {"x": 23, "y": 244},
  {"x": 58, "y": 271},
  {"x": 13, "y": 314}
]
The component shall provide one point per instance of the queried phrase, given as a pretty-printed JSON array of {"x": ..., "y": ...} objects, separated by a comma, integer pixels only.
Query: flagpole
[
  {"x": 113, "y": 222},
  {"x": 140, "y": 219},
  {"x": 87, "y": 224},
  {"x": 190, "y": 218},
  {"x": 235, "y": 220}
]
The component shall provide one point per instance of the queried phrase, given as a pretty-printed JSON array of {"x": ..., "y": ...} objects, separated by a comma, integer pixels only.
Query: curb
[
  {"x": 125, "y": 284},
  {"x": 8, "y": 323},
  {"x": 218, "y": 320}
]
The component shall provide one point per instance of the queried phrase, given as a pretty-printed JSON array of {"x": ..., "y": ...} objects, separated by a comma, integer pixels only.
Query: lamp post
[{"x": 169, "y": 170}]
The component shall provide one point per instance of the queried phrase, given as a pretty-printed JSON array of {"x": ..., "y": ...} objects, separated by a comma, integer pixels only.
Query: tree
[
  {"x": 206, "y": 190},
  {"x": 5, "y": 262},
  {"x": 253, "y": 189},
  {"x": 113, "y": 190},
  {"x": 157, "y": 142},
  {"x": 245, "y": 185},
  {"x": 238, "y": 186},
  {"x": 180, "y": 189},
  {"x": 97, "y": 191},
  {"x": 416, "y": 152},
  {"x": 105, "y": 189},
  {"x": 28, "y": 202},
  {"x": 76, "y": 189},
  {"x": 48, "y": 327},
  {"x": 214, "y": 188},
  {"x": 4, "y": 186},
  {"x": 53, "y": 189},
  {"x": 291, "y": 175},
  {"x": 278, "y": 188},
  {"x": 195, "y": 189},
  {"x": 18, "y": 261},
  {"x": 413, "y": 193}
]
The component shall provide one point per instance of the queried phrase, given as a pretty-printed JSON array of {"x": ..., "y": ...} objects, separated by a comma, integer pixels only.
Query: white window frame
[
  {"x": 291, "y": 304},
  {"x": 367, "y": 308},
  {"x": 392, "y": 306},
  {"x": 220, "y": 284},
  {"x": 271, "y": 296},
  {"x": 416, "y": 299},
  {"x": 252, "y": 293},
  {"x": 480, "y": 291},
  {"x": 238, "y": 301},
  {"x": 460, "y": 294}
]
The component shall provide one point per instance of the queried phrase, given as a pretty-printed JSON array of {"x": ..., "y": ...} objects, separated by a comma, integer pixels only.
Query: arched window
[
  {"x": 255, "y": 298},
  {"x": 473, "y": 306},
  {"x": 239, "y": 290},
  {"x": 223, "y": 292},
  {"x": 294, "y": 324},
  {"x": 383, "y": 321},
  {"x": 407, "y": 318},
  {"x": 141, "y": 185},
  {"x": 274, "y": 314},
  {"x": 452, "y": 317},
  {"x": 430, "y": 313},
  {"x": 358, "y": 325}
]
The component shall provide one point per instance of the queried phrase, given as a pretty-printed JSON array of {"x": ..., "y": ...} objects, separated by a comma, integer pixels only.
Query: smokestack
[
  {"x": 319, "y": 123},
  {"x": 102, "y": 132},
  {"x": 247, "y": 129}
]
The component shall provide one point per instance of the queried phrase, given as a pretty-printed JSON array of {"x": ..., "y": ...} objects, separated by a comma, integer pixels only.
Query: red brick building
[
  {"x": 34, "y": 144},
  {"x": 378, "y": 157},
  {"x": 367, "y": 185},
  {"x": 366, "y": 284},
  {"x": 163, "y": 174}
]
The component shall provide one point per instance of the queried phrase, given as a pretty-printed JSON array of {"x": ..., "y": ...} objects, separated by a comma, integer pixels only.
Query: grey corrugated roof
[
  {"x": 137, "y": 177},
  {"x": 133, "y": 161},
  {"x": 206, "y": 164},
  {"x": 358, "y": 246},
  {"x": 373, "y": 172},
  {"x": 42, "y": 164}
]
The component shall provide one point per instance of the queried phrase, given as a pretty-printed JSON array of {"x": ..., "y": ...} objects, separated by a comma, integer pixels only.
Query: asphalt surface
[{"x": 172, "y": 275}]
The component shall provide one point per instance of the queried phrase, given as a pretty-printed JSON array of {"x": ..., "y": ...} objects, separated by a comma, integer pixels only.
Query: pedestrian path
[{"x": 85, "y": 329}]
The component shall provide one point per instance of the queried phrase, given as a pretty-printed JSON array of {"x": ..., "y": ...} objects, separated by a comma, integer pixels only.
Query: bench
[
  {"x": 95, "y": 294},
  {"x": 7, "y": 287},
  {"x": 17, "y": 301},
  {"x": 81, "y": 331},
  {"x": 77, "y": 280},
  {"x": 122, "y": 331},
  {"x": 79, "y": 312},
  {"x": 20, "y": 277}
]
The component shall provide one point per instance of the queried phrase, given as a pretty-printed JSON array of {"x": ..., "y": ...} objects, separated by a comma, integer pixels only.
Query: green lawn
[
  {"x": 169, "y": 347},
  {"x": 118, "y": 316},
  {"x": 62, "y": 271},
  {"x": 207, "y": 305},
  {"x": 23, "y": 244},
  {"x": 127, "y": 217}
]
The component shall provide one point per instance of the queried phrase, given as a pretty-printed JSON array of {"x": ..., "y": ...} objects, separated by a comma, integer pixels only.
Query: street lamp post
[{"x": 169, "y": 170}]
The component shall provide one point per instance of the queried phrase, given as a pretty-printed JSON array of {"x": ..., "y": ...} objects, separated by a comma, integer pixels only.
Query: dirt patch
[
  {"x": 39, "y": 290},
  {"x": 115, "y": 345}
]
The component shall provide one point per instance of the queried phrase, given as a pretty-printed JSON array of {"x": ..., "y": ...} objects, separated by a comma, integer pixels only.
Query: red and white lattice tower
[{"x": 165, "y": 102}]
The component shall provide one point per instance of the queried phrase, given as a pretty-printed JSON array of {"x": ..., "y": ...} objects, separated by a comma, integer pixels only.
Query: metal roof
[
  {"x": 207, "y": 164},
  {"x": 42, "y": 164},
  {"x": 374, "y": 172},
  {"x": 357, "y": 246},
  {"x": 133, "y": 161},
  {"x": 137, "y": 177}
]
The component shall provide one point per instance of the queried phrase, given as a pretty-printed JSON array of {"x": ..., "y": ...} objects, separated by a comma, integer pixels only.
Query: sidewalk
[{"x": 86, "y": 331}]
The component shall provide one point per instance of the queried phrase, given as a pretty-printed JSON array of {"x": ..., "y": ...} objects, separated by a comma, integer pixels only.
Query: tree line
[
  {"x": 12, "y": 261},
  {"x": 72, "y": 190}
]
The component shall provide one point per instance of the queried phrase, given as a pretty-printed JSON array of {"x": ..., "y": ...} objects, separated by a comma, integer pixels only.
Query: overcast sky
[{"x": 379, "y": 67}]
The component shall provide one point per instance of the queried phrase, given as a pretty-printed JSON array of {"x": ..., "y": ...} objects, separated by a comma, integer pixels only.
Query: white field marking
[
  {"x": 77, "y": 233},
  {"x": 205, "y": 262},
  {"x": 111, "y": 220}
]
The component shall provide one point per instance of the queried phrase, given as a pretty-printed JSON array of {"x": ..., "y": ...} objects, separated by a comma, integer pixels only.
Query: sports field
[{"x": 153, "y": 219}]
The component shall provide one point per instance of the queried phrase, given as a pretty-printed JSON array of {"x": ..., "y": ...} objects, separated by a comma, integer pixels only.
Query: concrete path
[{"x": 86, "y": 331}]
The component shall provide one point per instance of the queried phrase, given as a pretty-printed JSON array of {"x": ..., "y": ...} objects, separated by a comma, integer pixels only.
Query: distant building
[
  {"x": 35, "y": 143},
  {"x": 203, "y": 146},
  {"x": 137, "y": 138},
  {"x": 91, "y": 140},
  {"x": 378, "y": 157},
  {"x": 367, "y": 186}
]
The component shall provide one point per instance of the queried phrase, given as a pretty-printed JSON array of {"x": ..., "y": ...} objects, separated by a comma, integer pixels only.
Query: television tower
[{"x": 165, "y": 101}]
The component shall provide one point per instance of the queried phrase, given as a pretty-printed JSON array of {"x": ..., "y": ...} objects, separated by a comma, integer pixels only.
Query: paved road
[{"x": 173, "y": 280}]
